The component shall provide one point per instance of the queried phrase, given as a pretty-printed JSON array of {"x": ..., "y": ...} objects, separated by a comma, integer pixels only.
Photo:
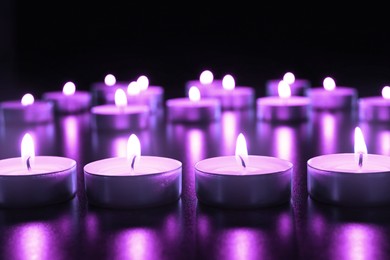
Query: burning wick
[
  {"x": 242, "y": 161},
  {"x": 133, "y": 162},
  {"x": 28, "y": 163},
  {"x": 360, "y": 160}
]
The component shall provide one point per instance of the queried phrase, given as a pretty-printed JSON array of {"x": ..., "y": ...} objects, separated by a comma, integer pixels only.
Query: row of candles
[{"x": 239, "y": 181}]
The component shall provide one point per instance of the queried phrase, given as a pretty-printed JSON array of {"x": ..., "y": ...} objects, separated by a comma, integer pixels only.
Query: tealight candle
[
  {"x": 243, "y": 181},
  {"x": 133, "y": 181},
  {"x": 284, "y": 107},
  {"x": 104, "y": 92},
  {"x": 193, "y": 109},
  {"x": 350, "y": 179},
  {"x": 375, "y": 109},
  {"x": 119, "y": 116},
  {"x": 34, "y": 181},
  {"x": 69, "y": 101},
  {"x": 232, "y": 96},
  {"x": 298, "y": 86},
  {"x": 26, "y": 111},
  {"x": 331, "y": 97},
  {"x": 205, "y": 83},
  {"x": 154, "y": 95}
]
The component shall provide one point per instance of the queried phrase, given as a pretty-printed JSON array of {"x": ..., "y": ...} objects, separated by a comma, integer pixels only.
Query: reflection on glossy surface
[
  {"x": 251, "y": 234},
  {"x": 333, "y": 132}
]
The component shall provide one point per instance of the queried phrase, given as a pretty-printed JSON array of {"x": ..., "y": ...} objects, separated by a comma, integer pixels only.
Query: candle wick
[
  {"x": 28, "y": 163},
  {"x": 360, "y": 160},
  {"x": 133, "y": 162},
  {"x": 242, "y": 161}
]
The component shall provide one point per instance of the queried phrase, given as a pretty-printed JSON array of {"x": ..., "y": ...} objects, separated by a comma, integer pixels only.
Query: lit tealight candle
[
  {"x": 298, "y": 86},
  {"x": 33, "y": 181},
  {"x": 243, "y": 181},
  {"x": 332, "y": 97},
  {"x": 119, "y": 116},
  {"x": 152, "y": 94},
  {"x": 194, "y": 108},
  {"x": 134, "y": 181},
  {"x": 69, "y": 101},
  {"x": 26, "y": 111},
  {"x": 104, "y": 92},
  {"x": 375, "y": 109},
  {"x": 283, "y": 107},
  {"x": 233, "y": 97},
  {"x": 350, "y": 179},
  {"x": 205, "y": 83}
]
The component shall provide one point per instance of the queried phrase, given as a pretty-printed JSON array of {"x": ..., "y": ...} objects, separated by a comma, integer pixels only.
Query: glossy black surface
[{"x": 301, "y": 229}]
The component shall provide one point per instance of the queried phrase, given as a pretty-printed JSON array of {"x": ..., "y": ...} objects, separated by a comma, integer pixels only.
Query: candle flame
[
  {"x": 360, "y": 147},
  {"x": 120, "y": 98},
  {"x": 143, "y": 82},
  {"x": 109, "y": 80},
  {"x": 284, "y": 89},
  {"x": 133, "y": 88},
  {"x": 27, "y": 99},
  {"x": 69, "y": 88},
  {"x": 27, "y": 150},
  {"x": 228, "y": 82},
  {"x": 241, "y": 151},
  {"x": 133, "y": 150},
  {"x": 386, "y": 92},
  {"x": 289, "y": 77},
  {"x": 194, "y": 93},
  {"x": 329, "y": 84},
  {"x": 206, "y": 77}
]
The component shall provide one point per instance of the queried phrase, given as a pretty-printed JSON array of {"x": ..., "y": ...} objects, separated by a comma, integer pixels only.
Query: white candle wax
[
  {"x": 273, "y": 108},
  {"x": 338, "y": 179},
  {"x": 112, "y": 117},
  {"x": 186, "y": 110},
  {"x": 51, "y": 180},
  {"x": 265, "y": 181},
  {"x": 153, "y": 181},
  {"x": 14, "y": 112}
]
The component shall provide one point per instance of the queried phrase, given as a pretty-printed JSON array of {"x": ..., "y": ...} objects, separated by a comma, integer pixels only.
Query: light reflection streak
[{"x": 137, "y": 244}]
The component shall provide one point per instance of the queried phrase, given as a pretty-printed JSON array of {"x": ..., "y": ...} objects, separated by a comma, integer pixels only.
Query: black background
[{"x": 47, "y": 44}]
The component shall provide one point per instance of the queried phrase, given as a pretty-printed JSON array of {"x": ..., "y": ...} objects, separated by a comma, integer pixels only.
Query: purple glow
[
  {"x": 284, "y": 140},
  {"x": 171, "y": 228},
  {"x": 194, "y": 93},
  {"x": 386, "y": 92},
  {"x": 110, "y": 80},
  {"x": 206, "y": 77},
  {"x": 229, "y": 132},
  {"x": 289, "y": 77},
  {"x": 383, "y": 142},
  {"x": 328, "y": 136},
  {"x": 69, "y": 88},
  {"x": 119, "y": 146},
  {"x": 137, "y": 243},
  {"x": 195, "y": 143},
  {"x": 92, "y": 227},
  {"x": 285, "y": 226},
  {"x": 70, "y": 126},
  {"x": 241, "y": 243},
  {"x": 329, "y": 84},
  {"x": 356, "y": 241},
  {"x": 31, "y": 241}
]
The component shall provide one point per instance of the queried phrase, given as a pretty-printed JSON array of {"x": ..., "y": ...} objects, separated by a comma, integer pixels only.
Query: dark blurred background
[{"x": 43, "y": 45}]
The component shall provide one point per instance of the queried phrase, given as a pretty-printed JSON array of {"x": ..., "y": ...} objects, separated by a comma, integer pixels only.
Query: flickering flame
[
  {"x": 109, "y": 80},
  {"x": 27, "y": 99},
  {"x": 206, "y": 77},
  {"x": 143, "y": 82},
  {"x": 228, "y": 82},
  {"x": 69, "y": 88},
  {"x": 289, "y": 77},
  {"x": 120, "y": 98},
  {"x": 194, "y": 94},
  {"x": 133, "y": 88},
  {"x": 133, "y": 150},
  {"x": 360, "y": 147},
  {"x": 329, "y": 84},
  {"x": 27, "y": 150},
  {"x": 284, "y": 90},
  {"x": 386, "y": 92},
  {"x": 241, "y": 151}
]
